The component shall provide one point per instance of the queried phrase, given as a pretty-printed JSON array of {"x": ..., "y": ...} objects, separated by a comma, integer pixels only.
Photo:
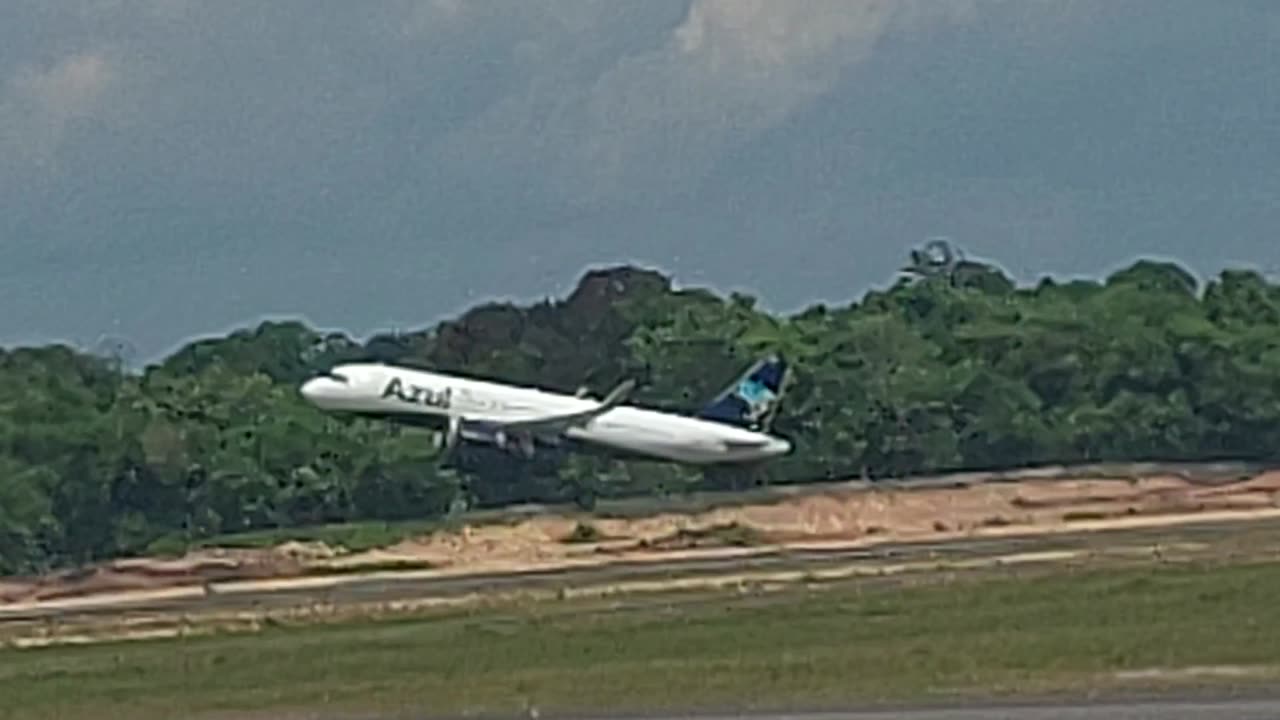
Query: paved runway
[
  {"x": 394, "y": 586},
  {"x": 1253, "y": 709},
  {"x": 408, "y": 585}
]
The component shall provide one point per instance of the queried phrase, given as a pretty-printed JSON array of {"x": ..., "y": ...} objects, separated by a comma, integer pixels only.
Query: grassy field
[
  {"x": 361, "y": 536},
  {"x": 1024, "y": 633}
]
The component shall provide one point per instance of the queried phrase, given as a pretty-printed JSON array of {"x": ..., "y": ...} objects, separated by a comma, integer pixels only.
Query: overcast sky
[{"x": 174, "y": 168}]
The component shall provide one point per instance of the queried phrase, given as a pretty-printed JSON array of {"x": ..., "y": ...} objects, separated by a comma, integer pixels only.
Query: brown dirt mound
[
  {"x": 196, "y": 568},
  {"x": 844, "y": 515}
]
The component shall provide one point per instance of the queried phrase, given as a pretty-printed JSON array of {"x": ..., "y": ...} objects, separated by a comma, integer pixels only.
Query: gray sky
[{"x": 174, "y": 168}]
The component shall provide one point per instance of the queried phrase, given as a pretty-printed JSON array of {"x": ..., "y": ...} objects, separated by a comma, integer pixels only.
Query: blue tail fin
[{"x": 753, "y": 399}]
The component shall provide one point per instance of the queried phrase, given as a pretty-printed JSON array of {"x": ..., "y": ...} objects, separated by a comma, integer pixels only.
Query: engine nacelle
[{"x": 522, "y": 444}]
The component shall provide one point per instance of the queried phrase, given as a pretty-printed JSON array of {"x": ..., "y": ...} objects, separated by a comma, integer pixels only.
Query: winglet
[{"x": 618, "y": 394}]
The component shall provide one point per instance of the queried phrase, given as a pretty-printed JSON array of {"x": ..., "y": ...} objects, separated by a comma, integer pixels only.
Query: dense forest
[{"x": 952, "y": 367}]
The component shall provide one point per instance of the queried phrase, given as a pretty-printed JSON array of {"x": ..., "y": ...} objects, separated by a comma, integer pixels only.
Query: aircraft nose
[
  {"x": 310, "y": 389},
  {"x": 317, "y": 389},
  {"x": 328, "y": 388}
]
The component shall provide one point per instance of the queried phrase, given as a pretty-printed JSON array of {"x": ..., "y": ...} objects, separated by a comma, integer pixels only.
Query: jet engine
[
  {"x": 522, "y": 444},
  {"x": 459, "y": 433}
]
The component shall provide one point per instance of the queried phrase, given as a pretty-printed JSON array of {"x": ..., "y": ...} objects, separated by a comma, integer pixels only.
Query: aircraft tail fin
[{"x": 753, "y": 399}]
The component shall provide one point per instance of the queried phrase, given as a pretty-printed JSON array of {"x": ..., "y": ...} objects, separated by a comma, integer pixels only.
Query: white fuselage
[{"x": 374, "y": 389}]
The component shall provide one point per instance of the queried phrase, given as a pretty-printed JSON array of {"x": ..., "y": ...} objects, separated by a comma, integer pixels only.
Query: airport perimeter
[{"x": 1105, "y": 604}]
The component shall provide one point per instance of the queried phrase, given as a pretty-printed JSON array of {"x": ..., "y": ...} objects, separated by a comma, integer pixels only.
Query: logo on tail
[{"x": 752, "y": 400}]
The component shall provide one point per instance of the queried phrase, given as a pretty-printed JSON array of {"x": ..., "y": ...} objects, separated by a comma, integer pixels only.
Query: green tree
[{"x": 950, "y": 367}]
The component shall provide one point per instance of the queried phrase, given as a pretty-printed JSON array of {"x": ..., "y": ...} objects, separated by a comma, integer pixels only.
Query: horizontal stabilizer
[{"x": 744, "y": 444}]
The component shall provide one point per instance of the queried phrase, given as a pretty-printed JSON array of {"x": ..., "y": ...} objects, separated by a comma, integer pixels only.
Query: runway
[
  {"x": 392, "y": 586},
  {"x": 404, "y": 585}
]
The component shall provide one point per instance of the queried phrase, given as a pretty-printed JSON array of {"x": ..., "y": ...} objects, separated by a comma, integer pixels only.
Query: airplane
[{"x": 730, "y": 429}]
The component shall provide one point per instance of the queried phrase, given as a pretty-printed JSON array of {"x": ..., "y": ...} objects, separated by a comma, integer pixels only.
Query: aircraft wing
[{"x": 558, "y": 423}]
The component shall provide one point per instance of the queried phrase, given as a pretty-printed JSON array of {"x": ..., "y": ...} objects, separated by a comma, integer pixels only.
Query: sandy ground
[{"x": 825, "y": 518}]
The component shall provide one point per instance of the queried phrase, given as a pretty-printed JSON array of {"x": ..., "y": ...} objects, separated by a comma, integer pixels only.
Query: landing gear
[{"x": 448, "y": 441}]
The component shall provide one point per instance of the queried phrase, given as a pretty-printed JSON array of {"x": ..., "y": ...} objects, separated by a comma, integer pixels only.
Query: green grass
[
  {"x": 355, "y": 537},
  {"x": 856, "y": 642}
]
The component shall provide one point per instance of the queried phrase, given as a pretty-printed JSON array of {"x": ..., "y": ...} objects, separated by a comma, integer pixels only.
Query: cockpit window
[{"x": 337, "y": 376}]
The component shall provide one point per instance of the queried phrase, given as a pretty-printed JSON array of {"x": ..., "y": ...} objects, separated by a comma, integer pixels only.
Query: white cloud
[
  {"x": 301, "y": 136},
  {"x": 67, "y": 90},
  {"x": 38, "y": 104},
  {"x": 730, "y": 70}
]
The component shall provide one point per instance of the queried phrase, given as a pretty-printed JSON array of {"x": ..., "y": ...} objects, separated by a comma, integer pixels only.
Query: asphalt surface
[
  {"x": 394, "y": 586},
  {"x": 389, "y": 587}
]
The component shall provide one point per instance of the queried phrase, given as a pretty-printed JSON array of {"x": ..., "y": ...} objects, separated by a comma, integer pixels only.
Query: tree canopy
[{"x": 952, "y": 367}]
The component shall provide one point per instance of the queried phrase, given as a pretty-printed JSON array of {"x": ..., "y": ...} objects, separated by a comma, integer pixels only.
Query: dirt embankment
[{"x": 845, "y": 516}]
